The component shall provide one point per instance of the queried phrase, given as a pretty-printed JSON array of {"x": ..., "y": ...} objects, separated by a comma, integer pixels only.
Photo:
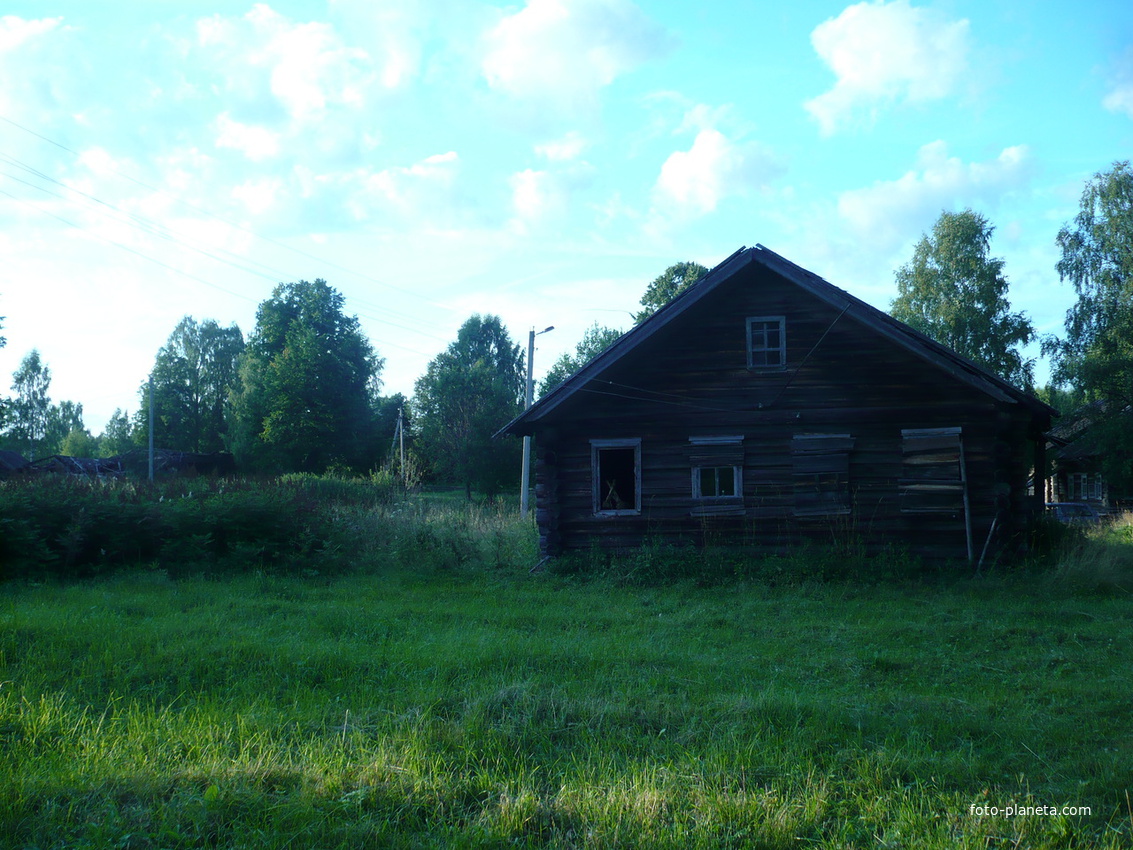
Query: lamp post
[{"x": 525, "y": 477}]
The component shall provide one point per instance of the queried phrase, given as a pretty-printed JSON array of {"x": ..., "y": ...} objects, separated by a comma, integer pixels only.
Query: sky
[{"x": 542, "y": 160}]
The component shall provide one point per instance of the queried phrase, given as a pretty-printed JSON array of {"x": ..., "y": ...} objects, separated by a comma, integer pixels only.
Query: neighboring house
[
  {"x": 765, "y": 407},
  {"x": 1075, "y": 464}
]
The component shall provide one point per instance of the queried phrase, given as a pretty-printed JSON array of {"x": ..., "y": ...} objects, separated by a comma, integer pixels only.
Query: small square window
[
  {"x": 766, "y": 342},
  {"x": 716, "y": 482},
  {"x": 717, "y": 463}
]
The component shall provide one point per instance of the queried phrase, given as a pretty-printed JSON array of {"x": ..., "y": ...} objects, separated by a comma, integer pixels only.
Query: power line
[
  {"x": 164, "y": 265},
  {"x": 231, "y": 224},
  {"x": 161, "y": 231},
  {"x": 238, "y": 262}
]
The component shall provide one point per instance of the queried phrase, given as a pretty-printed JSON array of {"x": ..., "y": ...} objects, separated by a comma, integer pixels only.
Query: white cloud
[
  {"x": 32, "y": 44},
  {"x": 883, "y": 211},
  {"x": 535, "y": 196},
  {"x": 256, "y": 143},
  {"x": 15, "y": 32},
  {"x": 887, "y": 53},
  {"x": 258, "y": 196},
  {"x": 693, "y": 182},
  {"x": 1120, "y": 97},
  {"x": 269, "y": 64},
  {"x": 566, "y": 50},
  {"x": 418, "y": 190},
  {"x": 567, "y": 148},
  {"x": 395, "y": 33}
]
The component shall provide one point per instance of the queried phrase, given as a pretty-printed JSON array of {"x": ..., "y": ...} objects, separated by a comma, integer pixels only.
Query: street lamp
[{"x": 525, "y": 477}]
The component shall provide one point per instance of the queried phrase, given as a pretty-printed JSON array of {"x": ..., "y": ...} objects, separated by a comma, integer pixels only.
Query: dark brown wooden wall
[{"x": 692, "y": 379}]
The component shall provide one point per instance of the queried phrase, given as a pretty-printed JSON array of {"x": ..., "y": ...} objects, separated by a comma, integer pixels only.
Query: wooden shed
[{"x": 764, "y": 407}]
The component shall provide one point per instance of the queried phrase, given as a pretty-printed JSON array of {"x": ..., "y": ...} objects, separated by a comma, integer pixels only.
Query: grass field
[{"x": 475, "y": 705}]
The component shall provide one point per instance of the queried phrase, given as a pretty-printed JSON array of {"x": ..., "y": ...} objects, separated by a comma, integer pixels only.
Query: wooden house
[
  {"x": 764, "y": 407},
  {"x": 1076, "y": 468}
]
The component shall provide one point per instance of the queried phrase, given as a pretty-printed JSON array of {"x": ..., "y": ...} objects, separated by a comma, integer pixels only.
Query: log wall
[{"x": 842, "y": 377}]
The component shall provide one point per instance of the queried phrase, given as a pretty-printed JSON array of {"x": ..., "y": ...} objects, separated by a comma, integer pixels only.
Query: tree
[
  {"x": 955, "y": 293},
  {"x": 79, "y": 443},
  {"x": 667, "y": 286},
  {"x": 467, "y": 393},
  {"x": 594, "y": 341},
  {"x": 117, "y": 437},
  {"x": 306, "y": 384},
  {"x": 1096, "y": 355},
  {"x": 192, "y": 377},
  {"x": 30, "y": 409},
  {"x": 64, "y": 420}
]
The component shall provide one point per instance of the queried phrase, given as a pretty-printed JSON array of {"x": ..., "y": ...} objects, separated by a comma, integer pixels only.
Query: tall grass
[
  {"x": 57, "y": 527},
  {"x": 417, "y": 686},
  {"x": 486, "y": 707}
]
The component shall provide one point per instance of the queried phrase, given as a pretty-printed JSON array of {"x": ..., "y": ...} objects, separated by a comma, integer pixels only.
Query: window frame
[
  {"x": 781, "y": 321},
  {"x": 737, "y": 483},
  {"x": 716, "y": 452},
  {"x": 596, "y": 448}
]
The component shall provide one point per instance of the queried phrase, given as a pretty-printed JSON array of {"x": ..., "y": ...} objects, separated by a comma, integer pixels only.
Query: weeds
[
  {"x": 384, "y": 672},
  {"x": 1095, "y": 561},
  {"x": 67, "y": 529},
  {"x": 489, "y": 708}
]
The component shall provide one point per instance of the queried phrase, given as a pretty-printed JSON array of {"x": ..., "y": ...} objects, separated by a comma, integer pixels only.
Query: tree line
[{"x": 303, "y": 391}]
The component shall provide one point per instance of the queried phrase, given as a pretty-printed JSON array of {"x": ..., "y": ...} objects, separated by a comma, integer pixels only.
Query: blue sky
[{"x": 542, "y": 160}]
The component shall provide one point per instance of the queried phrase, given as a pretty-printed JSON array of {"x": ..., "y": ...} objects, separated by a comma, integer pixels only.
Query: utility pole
[
  {"x": 401, "y": 441},
  {"x": 525, "y": 477}
]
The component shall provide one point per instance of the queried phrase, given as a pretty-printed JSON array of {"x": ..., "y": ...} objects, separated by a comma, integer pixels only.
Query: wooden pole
[
  {"x": 401, "y": 442},
  {"x": 967, "y": 503},
  {"x": 525, "y": 476}
]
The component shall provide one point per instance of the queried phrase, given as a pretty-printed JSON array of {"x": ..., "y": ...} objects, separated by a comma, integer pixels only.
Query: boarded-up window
[
  {"x": 766, "y": 342},
  {"x": 821, "y": 471},
  {"x": 616, "y": 472},
  {"x": 717, "y": 475},
  {"x": 932, "y": 474}
]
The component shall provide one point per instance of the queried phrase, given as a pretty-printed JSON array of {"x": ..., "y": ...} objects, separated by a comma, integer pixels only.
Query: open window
[
  {"x": 616, "y": 473},
  {"x": 821, "y": 472},
  {"x": 766, "y": 342},
  {"x": 717, "y": 464},
  {"x": 932, "y": 471}
]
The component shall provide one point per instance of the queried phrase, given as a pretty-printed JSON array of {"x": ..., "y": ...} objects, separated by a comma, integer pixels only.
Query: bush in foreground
[{"x": 64, "y": 528}]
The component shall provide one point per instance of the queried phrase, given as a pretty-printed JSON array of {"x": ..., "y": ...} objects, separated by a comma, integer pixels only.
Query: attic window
[
  {"x": 616, "y": 474},
  {"x": 821, "y": 472},
  {"x": 717, "y": 465},
  {"x": 932, "y": 471},
  {"x": 766, "y": 342}
]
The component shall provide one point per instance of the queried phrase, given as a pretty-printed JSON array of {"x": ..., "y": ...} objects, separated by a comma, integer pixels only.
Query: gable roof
[{"x": 932, "y": 352}]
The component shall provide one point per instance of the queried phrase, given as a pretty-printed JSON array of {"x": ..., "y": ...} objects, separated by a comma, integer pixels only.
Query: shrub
[
  {"x": 65, "y": 528},
  {"x": 74, "y": 528}
]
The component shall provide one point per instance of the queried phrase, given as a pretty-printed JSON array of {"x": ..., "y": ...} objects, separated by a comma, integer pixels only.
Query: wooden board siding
[{"x": 691, "y": 379}]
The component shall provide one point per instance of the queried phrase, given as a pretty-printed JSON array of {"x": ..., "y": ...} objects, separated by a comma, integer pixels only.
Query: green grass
[{"x": 484, "y": 707}]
